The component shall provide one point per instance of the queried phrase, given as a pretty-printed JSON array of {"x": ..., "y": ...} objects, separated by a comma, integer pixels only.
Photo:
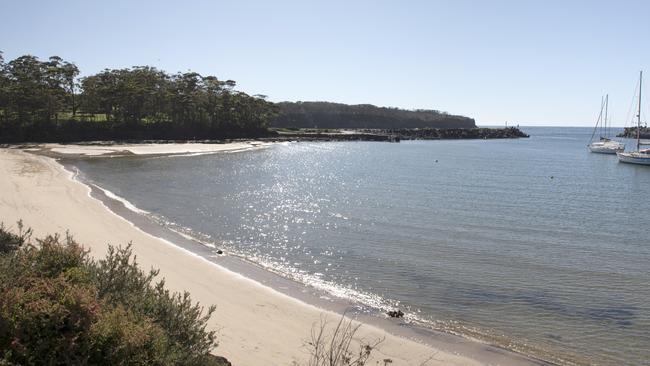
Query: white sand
[
  {"x": 150, "y": 149},
  {"x": 257, "y": 325}
]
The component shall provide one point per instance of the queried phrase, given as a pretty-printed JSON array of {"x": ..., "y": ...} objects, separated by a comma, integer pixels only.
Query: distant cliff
[{"x": 337, "y": 115}]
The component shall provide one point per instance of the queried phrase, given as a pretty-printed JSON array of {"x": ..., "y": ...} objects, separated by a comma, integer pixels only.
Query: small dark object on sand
[
  {"x": 219, "y": 251},
  {"x": 395, "y": 314}
]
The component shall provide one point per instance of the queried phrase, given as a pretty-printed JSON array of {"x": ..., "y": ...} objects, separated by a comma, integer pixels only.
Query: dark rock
[
  {"x": 218, "y": 361},
  {"x": 219, "y": 251},
  {"x": 396, "y": 135},
  {"x": 395, "y": 313},
  {"x": 630, "y": 132}
]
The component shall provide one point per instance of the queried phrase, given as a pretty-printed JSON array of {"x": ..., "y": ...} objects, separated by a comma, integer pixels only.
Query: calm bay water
[{"x": 532, "y": 244}]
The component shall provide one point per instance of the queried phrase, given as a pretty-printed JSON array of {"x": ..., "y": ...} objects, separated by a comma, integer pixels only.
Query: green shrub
[
  {"x": 10, "y": 241},
  {"x": 46, "y": 320},
  {"x": 57, "y": 306}
]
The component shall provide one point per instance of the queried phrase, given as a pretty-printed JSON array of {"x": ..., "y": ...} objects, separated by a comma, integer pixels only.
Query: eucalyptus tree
[
  {"x": 137, "y": 102},
  {"x": 99, "y": 93},
  {"x": 70, "y": 72},
  {"x": 4, "y": 82},
  {"x": 27, "y": 91}
]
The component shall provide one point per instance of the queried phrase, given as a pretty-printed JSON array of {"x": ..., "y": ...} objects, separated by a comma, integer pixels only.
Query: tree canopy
[
  {"x": 46, "y": 100},
  {"x": 337, "y": 115}
]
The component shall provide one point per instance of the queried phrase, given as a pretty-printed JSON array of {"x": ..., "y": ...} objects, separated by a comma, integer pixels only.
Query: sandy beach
[
  {"x": 256, "y": 324},
  {"x": 111, "y": 149}
]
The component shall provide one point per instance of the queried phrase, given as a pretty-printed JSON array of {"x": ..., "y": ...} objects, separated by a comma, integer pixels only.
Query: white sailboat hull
[
  {"x": 634, "y": 158},
  {"x": 606, "y": 147},
  {"x": 605, "y": 150}
]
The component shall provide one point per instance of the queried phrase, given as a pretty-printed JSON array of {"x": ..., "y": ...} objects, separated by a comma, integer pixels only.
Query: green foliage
[
  {"x": 10, "y": 241},
  {"x": 336, "y": 115},
  {"x": 33, "y": 91},
  {"x": 44, "y": 101},
  {"x": 57, "y": 306},
  {"x": 120, "y": 281}
]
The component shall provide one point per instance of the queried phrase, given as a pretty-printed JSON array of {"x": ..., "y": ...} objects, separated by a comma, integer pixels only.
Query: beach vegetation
[
  {"x": 59, "y": 306},
  {"x": 339, "y": 345}
]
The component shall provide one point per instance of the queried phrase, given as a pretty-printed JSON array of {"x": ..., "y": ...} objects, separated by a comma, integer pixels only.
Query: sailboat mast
[
  {"x": 638, "y": 116},
  {"x": 600, "y": 117},
  {"x": 606, "y": 105}
]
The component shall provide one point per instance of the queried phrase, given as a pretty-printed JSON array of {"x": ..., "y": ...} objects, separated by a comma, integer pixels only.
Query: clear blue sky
[{"x": 527, "y": 62}]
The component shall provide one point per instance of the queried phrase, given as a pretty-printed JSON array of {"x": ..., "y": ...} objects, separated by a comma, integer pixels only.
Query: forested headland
[
  {"x": 45, "y": 100},
  {"x": 337, "y": 115},
  {"x": 48, "y": 101}
]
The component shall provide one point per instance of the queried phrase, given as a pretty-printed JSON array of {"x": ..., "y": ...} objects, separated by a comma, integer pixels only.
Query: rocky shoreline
[
  {"x": 396, "y": 135},
  {"x": 380, "y": 135},
  {"x": 630, "y": 132},
  {"x": 458, "y": 133}
]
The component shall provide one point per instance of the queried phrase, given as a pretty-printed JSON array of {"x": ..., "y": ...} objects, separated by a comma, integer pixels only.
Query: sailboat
[
  {"x": 604, "y": 145},
  {"x": 638, "y": 156}
]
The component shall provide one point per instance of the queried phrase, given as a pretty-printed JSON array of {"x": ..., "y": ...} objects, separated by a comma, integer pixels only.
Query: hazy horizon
[{"x": 498, "y": 61}]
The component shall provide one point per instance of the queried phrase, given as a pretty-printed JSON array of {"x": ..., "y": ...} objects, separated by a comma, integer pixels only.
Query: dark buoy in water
[
  {"x": 552, "y": 177},
  {"x": 436, "y": 160}
]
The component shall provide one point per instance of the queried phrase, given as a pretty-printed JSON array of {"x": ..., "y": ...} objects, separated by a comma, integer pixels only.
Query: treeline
[
  {"x": 47, "y": 101},
  {"x": 337, "y": 115}
]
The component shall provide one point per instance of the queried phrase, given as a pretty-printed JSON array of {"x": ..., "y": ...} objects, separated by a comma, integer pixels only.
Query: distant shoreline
[
  {"x": 289, "y": 134},
  {"x": 396, "y": 135}
]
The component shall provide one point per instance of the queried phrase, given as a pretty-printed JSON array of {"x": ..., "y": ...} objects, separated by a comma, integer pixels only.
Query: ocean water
[{"x": 532, "y": 244}]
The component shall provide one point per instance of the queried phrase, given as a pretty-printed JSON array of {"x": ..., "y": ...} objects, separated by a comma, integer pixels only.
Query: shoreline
[
  {"x": 116, "y": 149},
  {"x": 320, "y": 299},
  {"x": 276, "y": 135},
  {"x": 272, "y": 348}
]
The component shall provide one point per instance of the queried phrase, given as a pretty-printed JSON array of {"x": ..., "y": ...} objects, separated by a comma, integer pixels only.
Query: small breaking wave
[{"x": 123, "y": 201}]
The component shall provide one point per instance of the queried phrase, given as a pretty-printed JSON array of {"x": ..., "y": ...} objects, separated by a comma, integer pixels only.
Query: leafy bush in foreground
[
  {"x": 10, "y": 241},
  {"x": 58, "y": 306}
]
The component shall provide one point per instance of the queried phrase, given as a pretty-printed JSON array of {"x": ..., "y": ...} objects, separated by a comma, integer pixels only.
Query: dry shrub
[{"x": 338, "y": 347}]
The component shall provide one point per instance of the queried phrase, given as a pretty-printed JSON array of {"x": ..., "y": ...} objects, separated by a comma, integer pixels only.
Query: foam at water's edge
[{"x": 123, "y": 201}]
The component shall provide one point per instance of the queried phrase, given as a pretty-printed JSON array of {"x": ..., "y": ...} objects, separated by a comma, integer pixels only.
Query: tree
[
  {"x": 70, "y": 73},
  {"x": 4, "y": 82},
  {"x": 138, "y": 102}
]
